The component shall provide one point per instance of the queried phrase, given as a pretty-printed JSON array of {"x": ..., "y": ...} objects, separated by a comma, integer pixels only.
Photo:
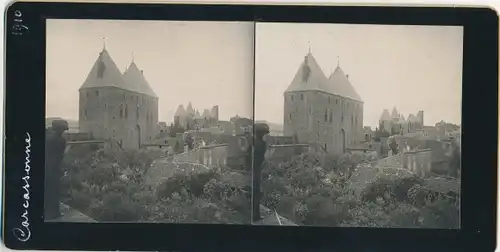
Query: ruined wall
[
  {"x": 214, "y": 155},
  {"x": 418, "y": 161},
  {"x": 286, "y": 151}
]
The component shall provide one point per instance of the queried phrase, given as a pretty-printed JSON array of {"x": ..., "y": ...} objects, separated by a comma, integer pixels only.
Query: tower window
[
  {"x": 87, "y": 94},
  {"x": 326, "y": 115},
  {"x": 336, "y": 101},
  {"x": 301, "y": 96},
  {"x": 137, "y": 112},
  {"x": 121, "y": 111},
  {"x": 126, "y": 111},
  {"x": 85, "y": 114},
  {"x": 291, "y": 97},
  {"x": 290, "y": 117},
  {"x": 331, "y": 116},
  {"x": 96, "y": 93},
  {"x": 329, "y": 99},
  {"x": 342, "y": 118}
]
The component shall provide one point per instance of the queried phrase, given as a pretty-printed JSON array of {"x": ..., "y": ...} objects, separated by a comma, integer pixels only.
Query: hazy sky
[
  {"x": 410, "y": 67},
  {"x": 207, "y": 63}
]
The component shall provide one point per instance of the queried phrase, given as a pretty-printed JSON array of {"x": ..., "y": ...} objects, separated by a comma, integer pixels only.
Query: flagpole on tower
[{"x": 104, "y": 43}]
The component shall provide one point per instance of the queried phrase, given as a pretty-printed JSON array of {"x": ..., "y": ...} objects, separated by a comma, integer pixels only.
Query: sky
[
  {"x": 411, "y": 68},
  {"x": 205, "y": 63}
]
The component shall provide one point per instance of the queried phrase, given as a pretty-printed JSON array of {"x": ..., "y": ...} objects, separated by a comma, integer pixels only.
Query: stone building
[
  {"x": 116, "y": 106},
  {"x": 324, "y": 111},
  {"x": 395, "y": 123},
  {"x": 190, "y": 118}
]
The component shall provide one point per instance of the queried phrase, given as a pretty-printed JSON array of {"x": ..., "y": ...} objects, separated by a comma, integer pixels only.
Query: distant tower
[{"x": 420, "y": 118}]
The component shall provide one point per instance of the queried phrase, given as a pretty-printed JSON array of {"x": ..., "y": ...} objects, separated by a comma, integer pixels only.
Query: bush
[{"x": 311, "y": 190}]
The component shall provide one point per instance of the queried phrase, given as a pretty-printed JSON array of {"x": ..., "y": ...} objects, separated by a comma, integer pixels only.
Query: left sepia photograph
[{"x": 149, "y": 121}]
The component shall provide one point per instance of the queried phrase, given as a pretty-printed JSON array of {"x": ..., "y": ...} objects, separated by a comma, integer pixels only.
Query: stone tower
[
  {"x": 323, "y": 111},
  {"x": 117, "y": 107}
]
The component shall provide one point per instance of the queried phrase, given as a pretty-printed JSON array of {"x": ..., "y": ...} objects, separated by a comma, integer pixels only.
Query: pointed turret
[
  {"x": 189, "y": 109},
  {"x": 135, "y": 81},
  {"x": 394, "y": 113},
  {"x": 339, "y": 84},
  {"x": 104, "y": 73},
  {"x": 309, "y": 76},
  {"x": 385, "y": 115},
  {"x": 180, "y": 111}
]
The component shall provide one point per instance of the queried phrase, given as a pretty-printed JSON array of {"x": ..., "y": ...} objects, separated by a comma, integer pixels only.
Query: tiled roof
[
  {"x": 309, "y": 77},
  {"x": 134, "y": 78},
  {"x": 340, "y": 85},
  {"x": 104, "y": 73}
]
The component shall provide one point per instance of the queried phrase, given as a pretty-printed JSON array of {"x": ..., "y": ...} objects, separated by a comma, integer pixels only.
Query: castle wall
[
  {"x": 318, "y": 117},
  {"x": 286, "y": 151},
  {"x": 120, "y": 115}
]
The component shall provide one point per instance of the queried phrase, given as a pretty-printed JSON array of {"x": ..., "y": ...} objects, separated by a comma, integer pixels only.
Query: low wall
[
  {"x": 72, "y": 136},
  {"x": 418, "y": 161},
  {"x": 279, "y": 140},
  {"x": 286, "y": 151},
  {"x": 212, "y": 155}
]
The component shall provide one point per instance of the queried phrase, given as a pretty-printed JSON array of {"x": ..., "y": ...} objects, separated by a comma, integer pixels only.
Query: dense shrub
[
  {"x": 108, "y": 185},
  {"x": 310, "y": 189}
]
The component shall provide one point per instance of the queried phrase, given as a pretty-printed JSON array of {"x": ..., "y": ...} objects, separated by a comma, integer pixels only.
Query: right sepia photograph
[{"x": 357, "y": 125}]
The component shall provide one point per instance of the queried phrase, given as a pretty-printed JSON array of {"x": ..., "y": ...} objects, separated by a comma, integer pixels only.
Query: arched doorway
[
  {"x": 138, "y": 134},
  {"x": 342, "y": 140}
]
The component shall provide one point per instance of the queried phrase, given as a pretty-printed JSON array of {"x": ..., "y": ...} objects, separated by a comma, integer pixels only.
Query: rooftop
[
  {"x": 310, "y": 77},
  {"x": 105, "y": 73}
]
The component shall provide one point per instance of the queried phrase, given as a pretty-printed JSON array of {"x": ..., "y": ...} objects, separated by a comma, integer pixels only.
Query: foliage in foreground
[
  {"x": 312, "y": 189},
  {"x": 109, "y": 186}
]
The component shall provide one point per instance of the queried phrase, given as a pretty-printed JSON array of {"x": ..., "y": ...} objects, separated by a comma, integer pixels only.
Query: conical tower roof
[
  {"x": 385, "y": 115},
  {"x": 309, "y": 77},
  {"x": 136, "y": 82},
  {"x": 395, "y": 113},
  {"x": 340, "y": 85},
  {"x": 104, "y": 73},
  {"x": 190, "y": 109},
  {"x": 180, "y": 111}
]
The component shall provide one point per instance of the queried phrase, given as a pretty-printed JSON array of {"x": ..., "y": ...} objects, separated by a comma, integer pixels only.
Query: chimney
[
  {"x": 142, "y": 71},
  {"x": 347, "y": 76}
]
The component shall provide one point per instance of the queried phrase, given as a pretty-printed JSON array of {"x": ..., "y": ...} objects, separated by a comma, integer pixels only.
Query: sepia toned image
[
  {"x": 364, "y": 125},
  {"x": 149, "y": 121}
]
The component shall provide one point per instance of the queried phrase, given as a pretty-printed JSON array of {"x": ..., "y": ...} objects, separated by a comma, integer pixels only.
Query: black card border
[{"x": 25, "y": 105}]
